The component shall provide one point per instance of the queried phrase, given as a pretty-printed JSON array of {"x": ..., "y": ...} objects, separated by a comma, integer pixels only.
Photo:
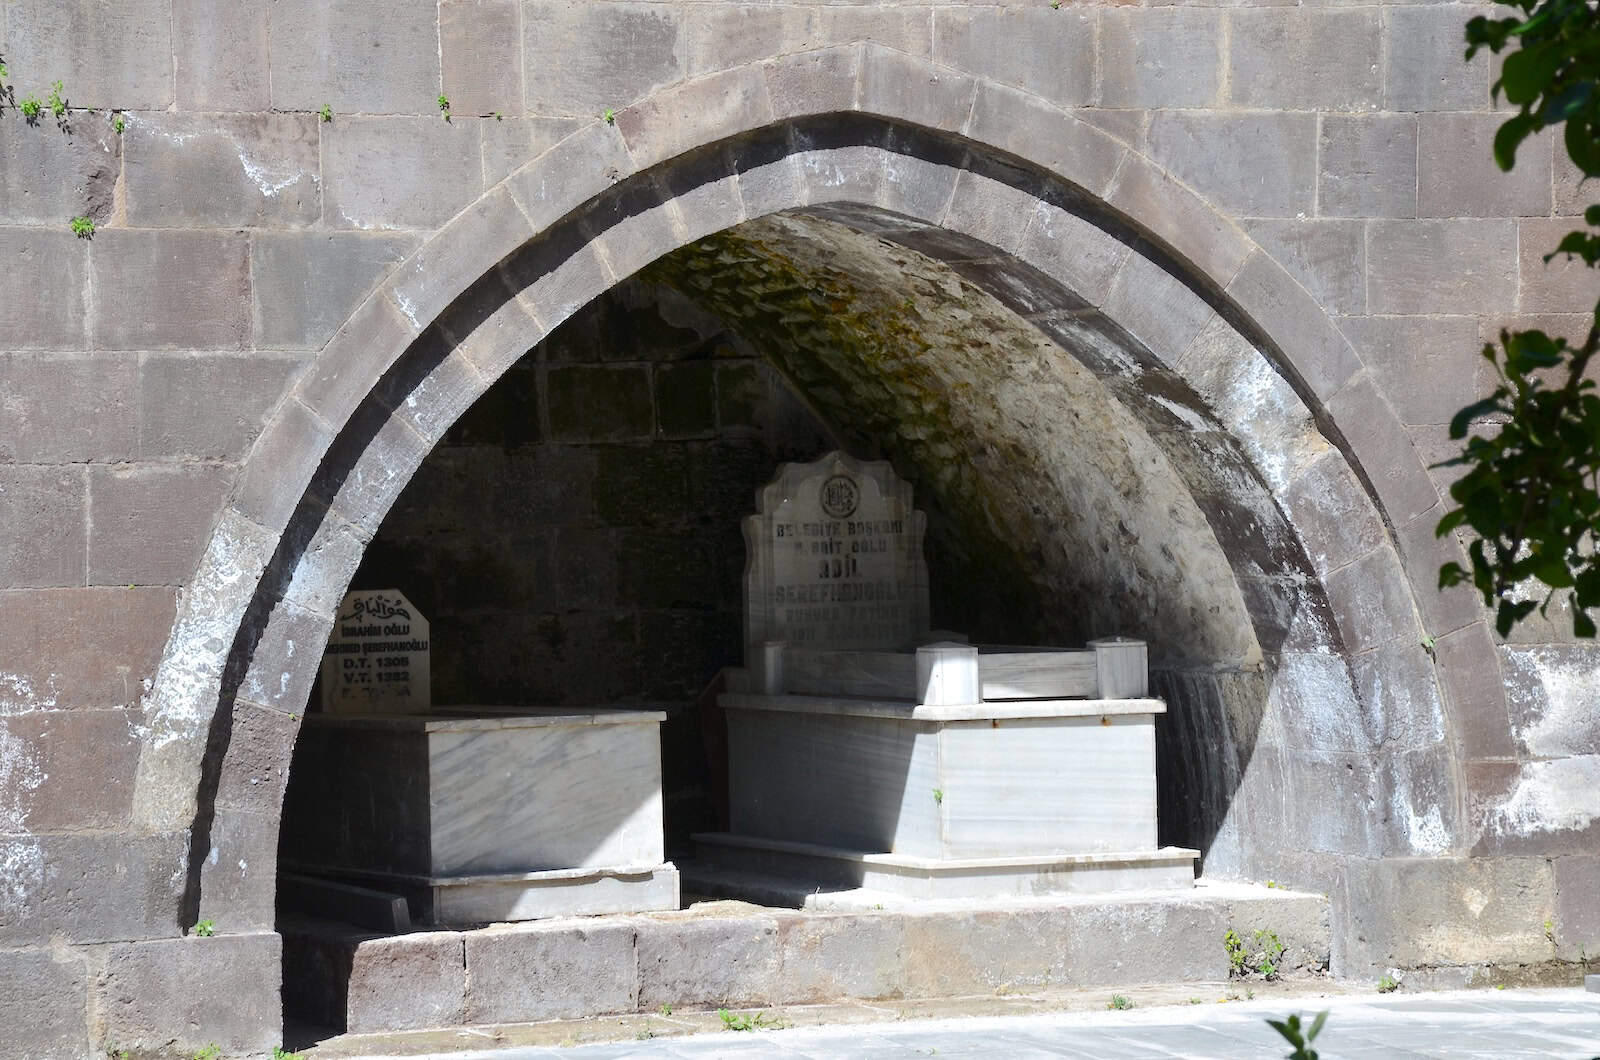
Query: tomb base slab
[{"x": 809, "y": 867}]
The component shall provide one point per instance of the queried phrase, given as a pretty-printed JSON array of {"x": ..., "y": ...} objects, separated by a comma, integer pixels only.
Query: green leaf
[
  {"x": 1316, "y": 1026},
  {"x": 1528, "y": 70},
  {"x": 1509, "y": 137}
]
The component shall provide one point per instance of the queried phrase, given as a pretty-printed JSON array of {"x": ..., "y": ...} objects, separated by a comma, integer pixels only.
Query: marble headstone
[
  {"x": 377, "y": 660},
  {"x": 834, "y": 559}
]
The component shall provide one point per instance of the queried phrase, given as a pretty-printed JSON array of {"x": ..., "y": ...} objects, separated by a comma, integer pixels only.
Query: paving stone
[
  {"x": 219, "y": 171},
  {"x": 706, "y": 961},
  {"x": 481, "y": 52},
  {"x": 92, "y": 888},
  {"x": 1459, "y": 266},
  {"x": 48, "y": 176},
  {"x": 1433, "y": 75},
  {"x": 44, "y": 1003},
  {"x": 1457, "y": 175},
  {"x": 171, "y": 289},
  {"x": 631, "y": 50},
  {"x": 147, "y": 995},
  {"x": 399, "y": 172},
  {"x": 1250, "y": 165},
  {"x": 1304, "y": 59},
  {"x": 69, "y": 769},
  {"x": 325, "y": 52},
  {"x": 308, "y": 283},
  {"x": 51, "y": 316},
  {"x": 133, "y": 537},
  {"x": 205, "y": 406},
  {"x": 1160, "y": 57},
  {"x": 221, "y": 55},
  {"x": 553, "y": 970},
  {"x": 1050, "y": 52},
  {"x": 67, "y": 409},
  {"x": 115, "y": 55},
  {"x": 1368, "y": 166},
  {"x": 42, "y": 531}
]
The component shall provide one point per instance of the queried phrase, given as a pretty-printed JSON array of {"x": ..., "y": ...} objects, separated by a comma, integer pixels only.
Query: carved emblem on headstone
[
  {"x": 834, "y": 559},
  {"x": 377, "y": 660}
]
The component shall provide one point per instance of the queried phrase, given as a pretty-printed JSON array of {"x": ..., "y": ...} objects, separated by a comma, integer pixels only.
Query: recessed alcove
[{"x": 574, "y": 538}]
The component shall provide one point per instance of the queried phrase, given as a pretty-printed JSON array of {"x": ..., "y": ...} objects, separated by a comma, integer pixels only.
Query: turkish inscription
[
  {"x": 378, "y": 658},
  {"x": 834, "y": 559}
]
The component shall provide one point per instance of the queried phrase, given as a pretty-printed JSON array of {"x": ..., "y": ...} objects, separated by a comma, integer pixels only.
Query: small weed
[
  {"x": 326, "y": 113},
  {"x": 1428, "y": 646},
  {"x": 1055, "y": 5},
  {"x": 938, "y": 795},
  {"x": 280, "y": 1053},
  {"x": 665, "y": 1009},
  {"x": 1249, "y": 994},
  {"x": 31, "y": 108},
  {"x": 610, "y": 116},
  {"x": 3, "y": 72},
  {"x": 206, "y": 928},
  {"x": 118, "y": 124},
  {"x": 1388, "y": 984},
  {"x": 644, "y": 1036},
  {"x": 499, "y": 117},
  {"x": 1550, "y": 930},
  {"x": 1290, "y": 1029},
  {"x": 744, "y": 1021},
  {"x": 1120, "y": 1002},
  {"x": 83, "y": 227},
  {"x": 444, "y": 106},
  {"x": 210, "y": 1052},
  {"x": 1271, "y": 953},
  {"x": 1271, "y": 884},
  {"x": 1196, "y": 1001},
  {"x": 1238, "y": 958},
  {"x": 58, "y": 105}
]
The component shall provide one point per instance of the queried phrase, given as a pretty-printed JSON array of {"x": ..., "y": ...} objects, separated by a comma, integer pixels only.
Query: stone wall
[{"x": 183, "y": 363}]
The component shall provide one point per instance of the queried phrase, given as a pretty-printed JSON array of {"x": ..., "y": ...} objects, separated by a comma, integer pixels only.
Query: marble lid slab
[
  {"x": 907, "y": 711},
  {"x": 483, "y": 719}
]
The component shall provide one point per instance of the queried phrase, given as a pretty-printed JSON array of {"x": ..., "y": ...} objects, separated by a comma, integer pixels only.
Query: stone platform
[{"x": 733, "y": 953}]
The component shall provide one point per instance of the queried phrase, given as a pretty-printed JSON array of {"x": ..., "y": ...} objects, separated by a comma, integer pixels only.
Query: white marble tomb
[
  {"x": 483, "y": 814},
  {"x": 861, "y": 755}
]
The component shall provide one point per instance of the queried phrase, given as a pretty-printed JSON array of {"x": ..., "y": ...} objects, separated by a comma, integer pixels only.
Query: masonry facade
[{"x": 1263, "y": 244}]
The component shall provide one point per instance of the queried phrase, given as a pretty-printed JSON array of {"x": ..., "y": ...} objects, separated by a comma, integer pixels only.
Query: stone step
[{"x": 734, "y": 953}]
